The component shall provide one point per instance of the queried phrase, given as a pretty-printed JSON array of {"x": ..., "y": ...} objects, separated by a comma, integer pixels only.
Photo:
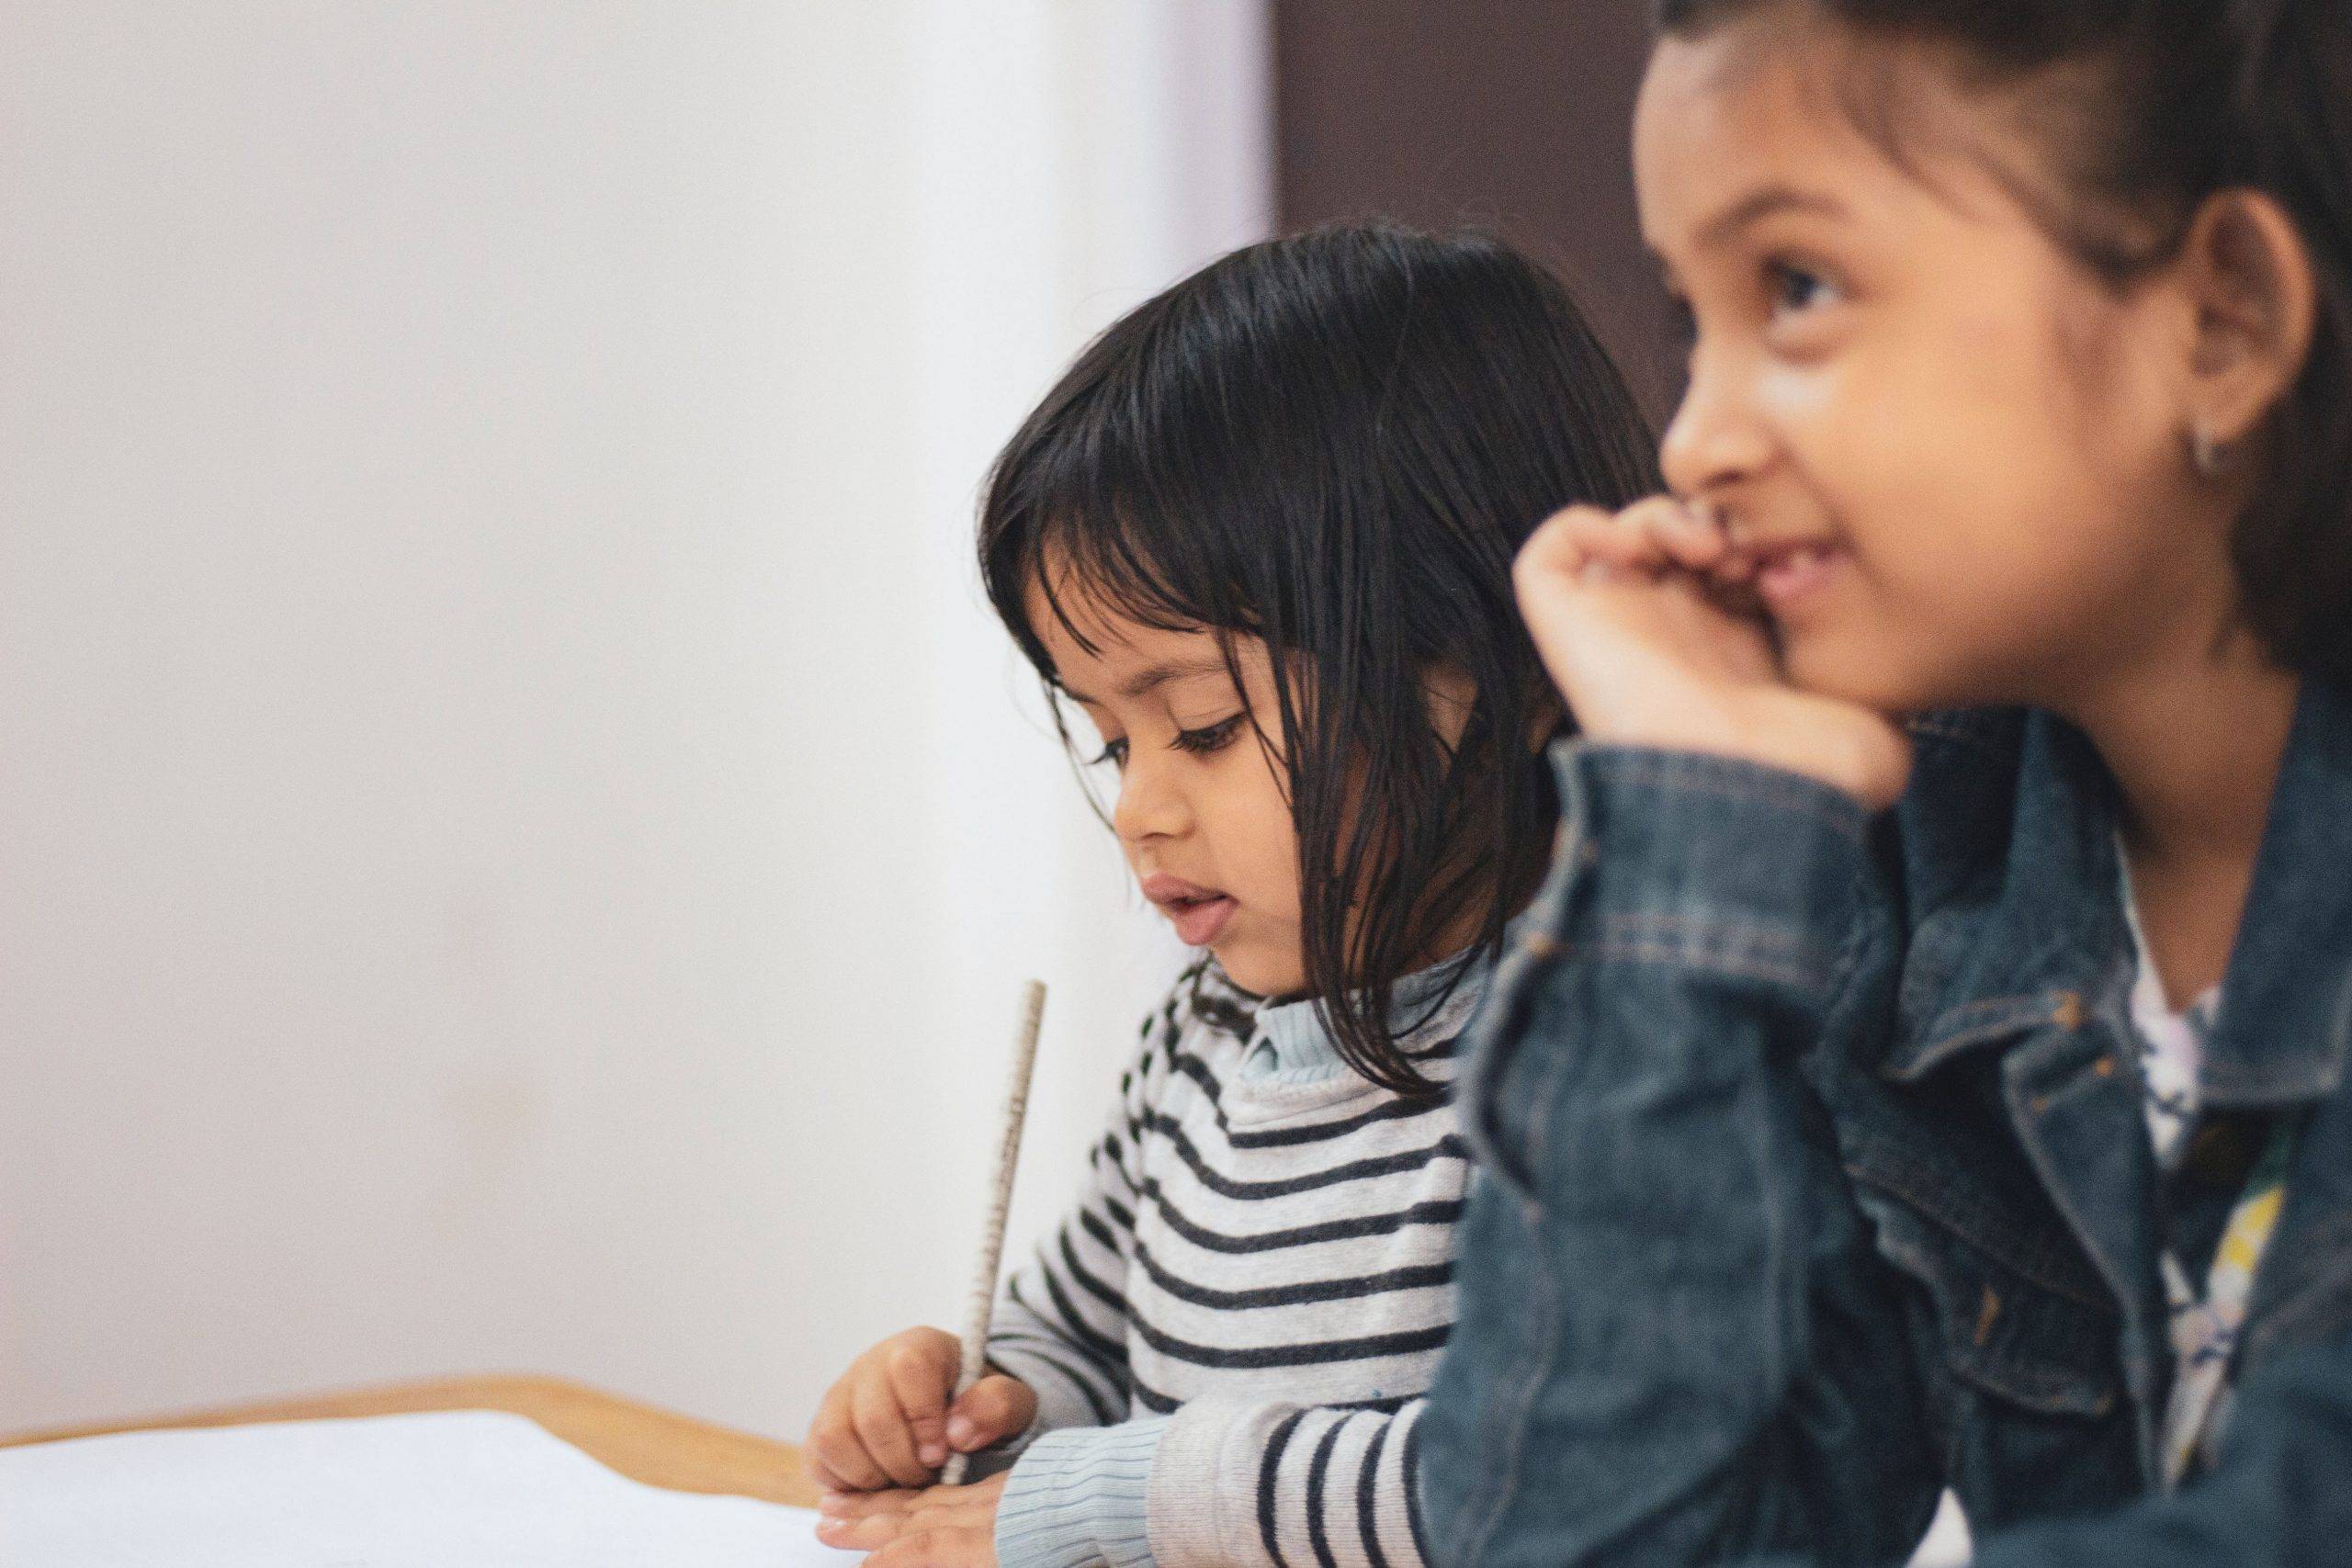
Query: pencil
[{"x": 1008, "y": 1154}]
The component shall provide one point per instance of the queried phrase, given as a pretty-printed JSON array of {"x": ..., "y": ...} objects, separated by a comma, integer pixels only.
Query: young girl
[
  {"x": 1258, "y": 539},
  {"x": 2004, "y": 1140}
]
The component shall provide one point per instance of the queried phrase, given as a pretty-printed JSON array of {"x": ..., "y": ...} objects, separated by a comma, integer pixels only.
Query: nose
[
  {"x": 1716, "y": 441},
  {"x": 1152, "y": 803}
]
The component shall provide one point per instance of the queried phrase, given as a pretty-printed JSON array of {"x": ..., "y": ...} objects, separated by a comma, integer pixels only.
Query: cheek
[
  {"x": 1996, "y": 505},
  {"x": 1257, "y": 840}
]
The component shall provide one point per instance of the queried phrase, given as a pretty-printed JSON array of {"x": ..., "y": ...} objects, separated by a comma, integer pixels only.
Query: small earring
[{"x": 2205, "y": 453}]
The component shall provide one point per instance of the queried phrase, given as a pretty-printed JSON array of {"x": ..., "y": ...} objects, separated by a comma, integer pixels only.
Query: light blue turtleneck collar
[{"x": 1288, "y": 1044}]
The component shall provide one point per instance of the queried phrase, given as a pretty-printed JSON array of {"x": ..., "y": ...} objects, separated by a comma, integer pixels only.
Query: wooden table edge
[{"x": 643, "y": 1442}]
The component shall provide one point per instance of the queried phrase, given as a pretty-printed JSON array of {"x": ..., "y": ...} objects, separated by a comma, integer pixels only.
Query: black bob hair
[
  {"x": 2155, "y": 106},
  {"x": 1336, "y": 443}
]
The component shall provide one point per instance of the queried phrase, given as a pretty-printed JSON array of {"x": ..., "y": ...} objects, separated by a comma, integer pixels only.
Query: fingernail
[
  {"x": 933, "y": 1454},
  {"x": 960, "y": 1431}
]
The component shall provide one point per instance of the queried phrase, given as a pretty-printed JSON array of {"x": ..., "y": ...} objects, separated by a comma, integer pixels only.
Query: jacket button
[{"x": 2068, "y": 1014}]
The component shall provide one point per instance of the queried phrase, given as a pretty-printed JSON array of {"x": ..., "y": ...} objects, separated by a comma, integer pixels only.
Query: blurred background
[{"x": 518, "y": 837}]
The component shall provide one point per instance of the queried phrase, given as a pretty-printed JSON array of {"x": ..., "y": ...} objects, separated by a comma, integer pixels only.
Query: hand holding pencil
[
  {"x": 894, "y": 1418},
  {"x": 919, "y": 1401}
]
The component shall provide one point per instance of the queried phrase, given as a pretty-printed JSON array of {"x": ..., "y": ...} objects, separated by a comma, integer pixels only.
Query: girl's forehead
[
  {"x": 1104, "y": 655},
  {"x": 1718, "y": 112},
  {"x": 1740, "y": 118}
]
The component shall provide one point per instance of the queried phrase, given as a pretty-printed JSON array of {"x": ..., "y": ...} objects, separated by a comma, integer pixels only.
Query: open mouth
[
  {"x": 1788, "y": 575},
  {"x": 1198, "y": 913}
]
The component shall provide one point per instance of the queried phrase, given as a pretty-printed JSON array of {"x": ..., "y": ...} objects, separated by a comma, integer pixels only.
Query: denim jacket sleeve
[{"x": 1676, "y": 1342}]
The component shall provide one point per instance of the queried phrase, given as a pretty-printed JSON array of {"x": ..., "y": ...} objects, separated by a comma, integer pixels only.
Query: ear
[{"x": 2255, "y": 298}]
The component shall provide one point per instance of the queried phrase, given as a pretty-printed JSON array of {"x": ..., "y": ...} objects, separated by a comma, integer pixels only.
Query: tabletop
[{"x": 642, "y": 1442}]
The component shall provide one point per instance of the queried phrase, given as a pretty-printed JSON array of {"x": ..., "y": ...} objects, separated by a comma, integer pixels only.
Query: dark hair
[
  {"x": 1336, "y": 443},
  {"x": 2157, "y": 105}
]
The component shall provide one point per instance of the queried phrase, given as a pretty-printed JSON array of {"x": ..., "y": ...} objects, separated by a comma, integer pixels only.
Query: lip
[
  {"x": 1788, "y": 574},
  {"x": 1198, "y": 913}
]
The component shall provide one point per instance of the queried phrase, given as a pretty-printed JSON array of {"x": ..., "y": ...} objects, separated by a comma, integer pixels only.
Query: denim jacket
[{"x": 1815, "y": 1176}]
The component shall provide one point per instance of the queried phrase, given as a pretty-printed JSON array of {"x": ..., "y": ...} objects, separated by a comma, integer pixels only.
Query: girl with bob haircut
[{"x": 1257, "y": 543}]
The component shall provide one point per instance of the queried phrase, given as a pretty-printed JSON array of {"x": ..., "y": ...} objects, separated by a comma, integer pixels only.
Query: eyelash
[{"x": 1199, "y": 742}]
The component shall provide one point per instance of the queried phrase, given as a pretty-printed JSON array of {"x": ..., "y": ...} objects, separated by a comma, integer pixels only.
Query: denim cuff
[
  {"x": 1078, "y": 1498},
  {"x": 1704, "y": 863}
]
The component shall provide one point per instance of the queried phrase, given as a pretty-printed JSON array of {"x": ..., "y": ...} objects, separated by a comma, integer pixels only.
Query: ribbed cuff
[{"x": 1079, "y": 1497}]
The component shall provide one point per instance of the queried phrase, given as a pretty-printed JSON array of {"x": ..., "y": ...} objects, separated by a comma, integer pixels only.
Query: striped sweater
[{"x": 1230, "y": 1336}]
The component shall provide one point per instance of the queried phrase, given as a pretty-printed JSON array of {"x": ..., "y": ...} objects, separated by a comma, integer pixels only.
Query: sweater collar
[{"x": 1289, "y": 1044}]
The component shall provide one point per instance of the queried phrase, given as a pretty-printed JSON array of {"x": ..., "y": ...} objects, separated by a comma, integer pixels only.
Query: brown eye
[{"x": 1113, "y": 752}]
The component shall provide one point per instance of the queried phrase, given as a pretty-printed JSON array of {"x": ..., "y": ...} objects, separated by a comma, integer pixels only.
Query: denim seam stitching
[
  {"x": 1538, "y": 1361},
  {"x": 1683, "y": 956},
  {"x": 1798, "y": 799}
]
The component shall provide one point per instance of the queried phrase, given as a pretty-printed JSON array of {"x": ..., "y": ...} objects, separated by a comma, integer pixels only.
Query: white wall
[{"x": 517, "y": 837}]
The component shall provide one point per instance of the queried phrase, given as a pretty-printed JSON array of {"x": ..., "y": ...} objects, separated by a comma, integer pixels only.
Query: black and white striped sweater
[{"x": 1231, "y": 1335}]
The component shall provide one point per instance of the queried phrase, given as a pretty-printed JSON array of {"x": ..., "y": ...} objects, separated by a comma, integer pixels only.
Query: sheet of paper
[{"x": 449, "y": 1490}]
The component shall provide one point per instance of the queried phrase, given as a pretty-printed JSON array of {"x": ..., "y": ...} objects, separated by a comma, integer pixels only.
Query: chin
[
  {"x": 1868, "y": 672},
  {"x": 1260, "y": 973}
]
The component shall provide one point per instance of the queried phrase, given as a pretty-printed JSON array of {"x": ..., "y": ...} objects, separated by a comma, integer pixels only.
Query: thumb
[{"x": 991, "y": 1410}]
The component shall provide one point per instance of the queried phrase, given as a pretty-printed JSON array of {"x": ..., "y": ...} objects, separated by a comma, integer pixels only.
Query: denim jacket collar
[
  {"x": 2033, "y": 934},
  {"x": 2055, "y": 937},
  {"x": 2286, "y": 1003}
]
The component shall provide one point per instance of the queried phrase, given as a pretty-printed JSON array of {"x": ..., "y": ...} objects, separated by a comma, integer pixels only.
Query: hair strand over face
[{"x": 1335, "y": 443}]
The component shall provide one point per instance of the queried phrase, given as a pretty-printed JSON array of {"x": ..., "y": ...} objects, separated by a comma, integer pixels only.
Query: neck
[{"x": 2194, "y": 742}]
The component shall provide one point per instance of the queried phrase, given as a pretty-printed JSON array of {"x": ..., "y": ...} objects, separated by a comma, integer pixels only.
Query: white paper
[{"x": 447, "y": 1490}]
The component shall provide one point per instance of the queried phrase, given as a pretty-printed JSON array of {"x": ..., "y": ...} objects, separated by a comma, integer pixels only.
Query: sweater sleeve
[
  {"x": 1079, "y": 1498},
  {"x": 1275, "y": 1484}
]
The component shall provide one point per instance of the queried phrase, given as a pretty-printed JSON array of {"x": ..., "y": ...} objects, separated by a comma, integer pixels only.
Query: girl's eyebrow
[
  {"x": 1756, "y": 205},
  {"x": 1155, "y": 676}
]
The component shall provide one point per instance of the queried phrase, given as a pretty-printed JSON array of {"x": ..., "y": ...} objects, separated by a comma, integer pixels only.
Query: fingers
[
  {"x": 1584, "y": 542},
  {"x": 1648, "y": 539},
  {"x": 870, "y": 1521},
  {"x": 866, "y": 1521},
  {"x": 991, "y": 1410},
  {"x": 1689, "y": 537},
  {"x": 938, "y": 1549},
  {"x": 920, "y": 1382},
  {"x": 882, "y": 1427},
  {"x": 837, "y": 1459},
  {"x": 884, "y": 1424}
]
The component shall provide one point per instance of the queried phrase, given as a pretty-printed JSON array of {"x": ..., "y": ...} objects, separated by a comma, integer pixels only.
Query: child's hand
[
  {"x": 1647, "y": 625},
  {"x": 888, "y": 1421},
  {"x": 940, "y": 1527}
]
